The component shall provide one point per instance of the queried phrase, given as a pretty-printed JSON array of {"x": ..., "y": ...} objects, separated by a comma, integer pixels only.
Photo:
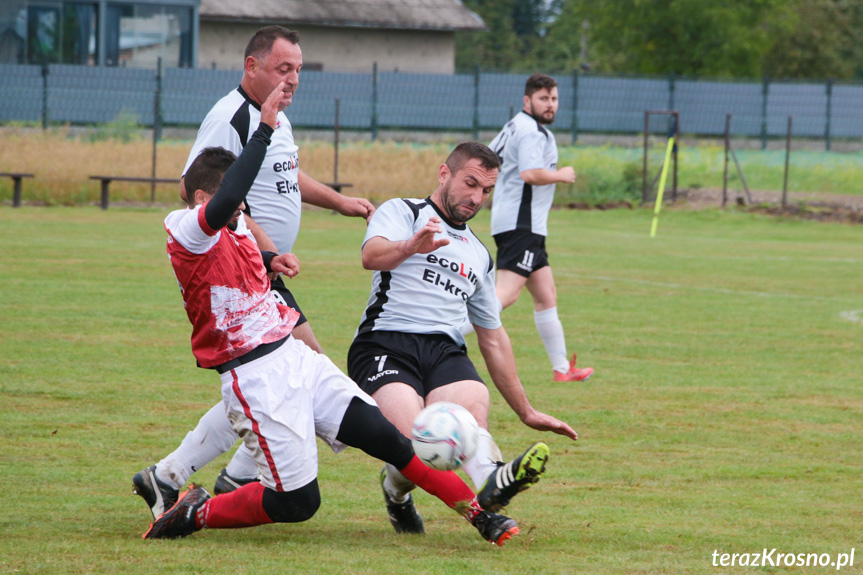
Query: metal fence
[{"x": 462, "y": 102}]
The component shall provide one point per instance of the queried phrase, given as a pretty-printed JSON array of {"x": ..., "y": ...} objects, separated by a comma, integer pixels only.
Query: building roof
[{"x": 445, "y": 15}]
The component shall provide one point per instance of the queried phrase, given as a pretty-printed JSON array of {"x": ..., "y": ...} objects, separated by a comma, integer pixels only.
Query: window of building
[
  {"x": 135, "y": 35},
  {"x": 138, "y": 35},
  {"x": 64, "y": 33}
]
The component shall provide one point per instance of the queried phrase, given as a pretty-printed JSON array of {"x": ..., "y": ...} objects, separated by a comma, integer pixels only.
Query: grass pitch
[{"x": 724, "y": 415}]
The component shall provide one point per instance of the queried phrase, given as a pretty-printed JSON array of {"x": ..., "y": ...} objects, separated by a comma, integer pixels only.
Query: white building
[{"x": 341, "y": 35}]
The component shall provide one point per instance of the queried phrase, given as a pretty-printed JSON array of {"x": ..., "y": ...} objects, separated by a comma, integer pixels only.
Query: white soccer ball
[{"x": 445, "y": 435}]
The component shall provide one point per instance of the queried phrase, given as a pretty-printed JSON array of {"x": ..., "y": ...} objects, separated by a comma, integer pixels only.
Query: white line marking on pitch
[{"x": 855, "y": 315}]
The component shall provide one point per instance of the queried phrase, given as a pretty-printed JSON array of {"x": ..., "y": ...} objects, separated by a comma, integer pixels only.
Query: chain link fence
[{"x": 479, "y": 101}]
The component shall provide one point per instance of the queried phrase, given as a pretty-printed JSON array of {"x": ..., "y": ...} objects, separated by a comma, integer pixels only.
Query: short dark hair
[
  {"x": 207, "y": 171},
  {"x": 469, "y": 151},
  {"x": 538, "y": 82},
  {"x": 262, "y": 42}
]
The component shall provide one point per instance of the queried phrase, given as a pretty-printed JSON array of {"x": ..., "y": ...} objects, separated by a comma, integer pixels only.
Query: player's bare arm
[
  {"x": 264, "y": 241},
  {"x": 318, "y": 194},
  {"x": 542, "y": 177},
  {"x": 384, "y": 255},
  {"x": 496, "y": 349},
  {"x": 265, "y": 244}
]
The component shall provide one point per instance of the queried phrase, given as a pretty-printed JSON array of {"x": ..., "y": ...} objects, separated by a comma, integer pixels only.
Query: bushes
[{"x": 603, "y": 177}]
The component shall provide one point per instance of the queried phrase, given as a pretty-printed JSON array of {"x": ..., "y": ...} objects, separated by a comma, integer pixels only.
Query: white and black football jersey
[
  {"x": 274, "y": 200},
  {"x": 523, "y": 144},
  {"x": 435, "y": 292}
]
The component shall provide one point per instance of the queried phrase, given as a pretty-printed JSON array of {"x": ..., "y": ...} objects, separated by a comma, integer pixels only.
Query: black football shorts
[
  {"x": 520, "y": 251},
  {"x": 281, "y": 291},
  {"x": 423, "y": 361}
]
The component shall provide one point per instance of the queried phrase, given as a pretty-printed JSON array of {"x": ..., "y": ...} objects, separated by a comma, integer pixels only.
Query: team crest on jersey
[{"x": 457, "y": 236}]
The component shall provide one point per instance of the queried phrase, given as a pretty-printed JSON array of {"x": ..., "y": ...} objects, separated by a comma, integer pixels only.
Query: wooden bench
[
  {"x": 106, "y": 183},
  {"x": 16, "y": 179},
  {"x": 337, "y": 186}
]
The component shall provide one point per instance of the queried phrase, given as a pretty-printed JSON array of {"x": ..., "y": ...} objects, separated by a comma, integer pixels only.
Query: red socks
[
  {"x": 244, "y": 507},
  {"x": 240, "y": 508},
  {"x": 445, "y": 485}
]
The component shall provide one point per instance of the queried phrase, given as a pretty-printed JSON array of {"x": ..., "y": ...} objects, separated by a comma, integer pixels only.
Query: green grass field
[
  {"x": 607, "y": 173},
  {"x": 725, "y": 414}
]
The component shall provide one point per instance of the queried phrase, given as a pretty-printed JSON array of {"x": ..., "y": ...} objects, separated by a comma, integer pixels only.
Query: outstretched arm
[
  {"x": 318, "y": 194},
  {"x": 496, "y": 349},
  {"x": 241, "y": 175},
  {"x": 384, "y": 255}
]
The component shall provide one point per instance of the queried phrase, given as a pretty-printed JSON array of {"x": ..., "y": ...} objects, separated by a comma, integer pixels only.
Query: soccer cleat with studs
[
  {"x": 159, "y": 495},
  {"x": 404, "y": 517},
  {"x": 495, "y": 528},
  {"x": 574, "y": 373},
  {"x": 511, "y": 478},
  {"x": 225, "y": 483},
  {"x": 179, "y": 520}
]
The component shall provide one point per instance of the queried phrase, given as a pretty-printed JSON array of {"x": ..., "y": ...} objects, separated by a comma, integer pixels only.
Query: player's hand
[
  {"x": 287, "y": 264},
  {"x": 357, "y": 207},
  {"x": 567, "y": 175},
  {"x": 424, "y": 242},
  {"x": 544, "y": 422},
  {"x": 270, "y": 107}
]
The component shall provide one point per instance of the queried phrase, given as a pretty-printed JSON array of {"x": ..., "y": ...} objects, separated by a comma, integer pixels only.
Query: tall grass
[{"x": 63, "y": 164}]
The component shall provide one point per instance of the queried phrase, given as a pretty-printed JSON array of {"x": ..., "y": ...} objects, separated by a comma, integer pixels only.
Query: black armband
[{"x": 268, "y": 258}]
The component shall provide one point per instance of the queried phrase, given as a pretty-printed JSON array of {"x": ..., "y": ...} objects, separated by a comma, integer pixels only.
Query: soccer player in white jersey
[
  {"x": 273, "y": 55},
  {"x": 278, "y": 393},
  {"x": 431, "y": 275},
  {"x": 519, "y": 214}
]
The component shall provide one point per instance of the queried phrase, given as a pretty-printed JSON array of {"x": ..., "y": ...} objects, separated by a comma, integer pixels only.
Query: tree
[
  {"x": 516, "y": 30},
  {"x": 684, "y": 37},
  {"x": 801, "y": 39},
  {"x": 825, "y": 42}
]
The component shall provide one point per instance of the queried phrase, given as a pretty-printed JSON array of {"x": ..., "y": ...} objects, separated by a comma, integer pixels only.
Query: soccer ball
[{"x": 445, "y": 435}]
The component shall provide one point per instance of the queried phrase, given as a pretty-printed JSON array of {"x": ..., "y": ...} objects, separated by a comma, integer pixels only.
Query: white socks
[
  {"x": 242, "y": 464},
  {"x": 484, "y": 461},
  {"x": 212, "y": 437},
  {"x": 481, "y": 465},
  {"x": 551, "y": 332},
  {"x": 397, "y": 485}
]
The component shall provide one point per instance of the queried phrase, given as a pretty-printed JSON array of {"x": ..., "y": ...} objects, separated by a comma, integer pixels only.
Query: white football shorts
[{"x": 280, "y": 402}]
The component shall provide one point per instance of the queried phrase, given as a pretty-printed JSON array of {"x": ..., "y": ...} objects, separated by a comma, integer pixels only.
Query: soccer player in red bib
[
  {"x": 272, "y": 55},
  {"x": 278, "y": 393}
]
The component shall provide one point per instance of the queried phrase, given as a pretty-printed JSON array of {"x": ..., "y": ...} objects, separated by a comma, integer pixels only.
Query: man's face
[
  {"x": 232, "y": 223},
  {"x": 282, "y": 64},
  {"x": 464, "y": 192},
  {"x": 542, "y": 105}
]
